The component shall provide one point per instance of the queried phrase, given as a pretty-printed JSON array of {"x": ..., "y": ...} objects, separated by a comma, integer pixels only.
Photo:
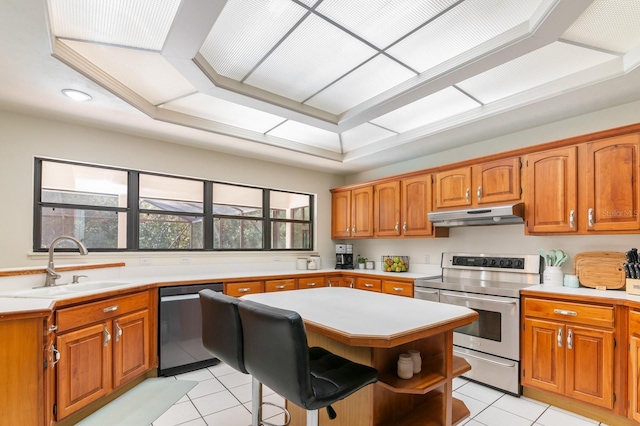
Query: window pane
[
  {"x": 171, "y": 194},
  {"x": 286, "y": 235},
  {"x": 92, "y": 186},
  {"x": 96, "y": 229},
  {"x": 234, "y": 200},
  {"x": 164, "y": 231},
  {"x": 237, "y": 233},
  {"x": 291, "y": 204}
]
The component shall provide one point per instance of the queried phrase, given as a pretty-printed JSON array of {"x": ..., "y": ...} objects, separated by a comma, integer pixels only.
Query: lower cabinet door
[
  {"x": 131, "y": 342},
  {"x": 543, "y": 355},
  {"x": 83, "y": 372},
  {"x": 634, "y": 378},
  {"x": 589, "y": 376}
]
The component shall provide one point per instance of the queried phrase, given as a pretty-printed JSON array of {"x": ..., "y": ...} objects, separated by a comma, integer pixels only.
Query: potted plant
[{"x": 361, "y": 261}]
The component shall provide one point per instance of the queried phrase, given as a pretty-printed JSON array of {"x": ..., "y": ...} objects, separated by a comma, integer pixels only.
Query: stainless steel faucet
[{"x": 52, "y": 276}]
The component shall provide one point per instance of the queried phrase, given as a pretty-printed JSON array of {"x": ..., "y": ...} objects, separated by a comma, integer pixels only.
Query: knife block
[{"x": 633, "y": 286}]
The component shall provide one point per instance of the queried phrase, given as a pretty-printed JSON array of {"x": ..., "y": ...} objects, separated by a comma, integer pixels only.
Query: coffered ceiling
[{"x": 334, "y": 84}]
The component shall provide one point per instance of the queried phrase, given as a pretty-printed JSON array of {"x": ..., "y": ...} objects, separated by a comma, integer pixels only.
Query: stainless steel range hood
[{"x": 494, "y": 215}]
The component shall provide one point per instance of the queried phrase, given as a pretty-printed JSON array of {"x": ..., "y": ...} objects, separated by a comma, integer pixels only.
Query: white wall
[
  {"x": 24, "y": 137},
  {"x": 504, "y": 238}
]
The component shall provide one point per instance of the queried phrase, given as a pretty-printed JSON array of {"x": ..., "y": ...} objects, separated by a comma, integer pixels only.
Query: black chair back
[
  {"x": 276, "y": 351},
  {"x": 222, "y": 329}
]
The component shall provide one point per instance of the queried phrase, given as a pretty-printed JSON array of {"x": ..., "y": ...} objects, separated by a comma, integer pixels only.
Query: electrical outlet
[
  {"x": 426, "y": 259},
  {"x": 145, "y": 261},
  {"x": 185, "y": 260}
]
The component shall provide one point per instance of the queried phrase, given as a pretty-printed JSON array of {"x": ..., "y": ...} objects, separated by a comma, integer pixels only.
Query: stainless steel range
[{"x": 489, "y": 284}]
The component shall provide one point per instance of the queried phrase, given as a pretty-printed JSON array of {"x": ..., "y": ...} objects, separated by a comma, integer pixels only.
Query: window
[{"x": 112, "y": 209}]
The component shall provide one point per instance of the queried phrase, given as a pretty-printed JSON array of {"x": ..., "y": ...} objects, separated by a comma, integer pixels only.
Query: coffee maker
[{"x": 344, "y": 256}]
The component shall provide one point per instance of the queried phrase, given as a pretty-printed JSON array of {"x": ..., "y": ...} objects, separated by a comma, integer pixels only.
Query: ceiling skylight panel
[
  {"x": 464, "y": 27},
  {"x": 438, "y": 106},
  {"x": 313, "y": 56},
  {"x": 225, "y": 112},
  {"x": 541, "y": 66},
  {"x": 609, "y": 25},
  {"x": 142, "y": 24},
  {"x": 308, "y": 135},
  {"x": 369, "y": 80},
  {"x": 146, "y": 73},
  {"x": 382, "y": 22},
  {"x": 362, "y": 135},
  {"x": 245, "y": 32}
]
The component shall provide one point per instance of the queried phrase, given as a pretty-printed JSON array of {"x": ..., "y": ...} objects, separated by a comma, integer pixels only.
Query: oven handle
[
  {"x": 503, "y": 302},
  {"x": 501, "y": 364},
  {"x": 179, "y": 297}
]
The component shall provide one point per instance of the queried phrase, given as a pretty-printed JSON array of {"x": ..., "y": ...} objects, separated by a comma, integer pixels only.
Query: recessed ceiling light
[{"x": 76, "y": 95}]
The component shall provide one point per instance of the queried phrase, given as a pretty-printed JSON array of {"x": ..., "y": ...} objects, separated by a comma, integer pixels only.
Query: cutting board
[{"x": 600, "y": 268}]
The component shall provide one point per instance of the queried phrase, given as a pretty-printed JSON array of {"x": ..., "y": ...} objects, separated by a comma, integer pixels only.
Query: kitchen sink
[{"x": 68, "y": 290}]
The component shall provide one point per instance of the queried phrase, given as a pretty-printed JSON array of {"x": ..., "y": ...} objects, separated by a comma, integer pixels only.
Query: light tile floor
[{"x": 223, "y": 398}]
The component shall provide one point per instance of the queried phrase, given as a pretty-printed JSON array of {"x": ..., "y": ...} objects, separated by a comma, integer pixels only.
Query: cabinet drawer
[
  {"x": 312, "y": 282},
  {"x": 77, "y": 316},
  {"x": 598, "y": 315},
  {"x": 398, "y": 288},
  {"x": 279, "y": 285},
  {"x": 368, "y": 284},
  {"x": 240, "y": 289}
]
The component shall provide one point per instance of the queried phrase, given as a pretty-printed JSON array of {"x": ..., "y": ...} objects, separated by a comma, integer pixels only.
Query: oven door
[{"x": 497, "y": 329}]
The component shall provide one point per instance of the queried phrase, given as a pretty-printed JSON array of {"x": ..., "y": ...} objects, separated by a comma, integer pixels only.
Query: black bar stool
[
  {"x": 222, "y": 336},
  {"x": 276, "y": 354}
]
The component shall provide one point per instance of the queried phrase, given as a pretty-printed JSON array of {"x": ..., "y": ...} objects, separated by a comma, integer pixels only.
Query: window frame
[{"x": 133, "y": 212}]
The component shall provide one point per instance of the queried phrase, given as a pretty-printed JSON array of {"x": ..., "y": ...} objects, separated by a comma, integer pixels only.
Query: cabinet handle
[
  {"x": 52, "y": 328},
  {"x": 348, "y": 231},
  {"x": 565, "y": 312},
  {"x": 479, "y": 193},
  {"x": 559, "y": 337},
  {"x": 397, "y": 228},
  {"x": 467, "y": 194},
  {"x": 572, "y": 219},
  {"x": 311, "y": 284},
  {"x": 397, "y": 289},
  {"x": 55, "y": 355},
  {"x": 404, "y": 228},
  {"x": 244, "y": 290},
  {"x": 107, "y": 337},
  {"x": 110, "y": 309},
  {"x": 590, "y": 217},
  {"x": 118, "y": 332},
  {"x": 280, "y": 287},
  {"x": 368, "y": 285},
  {"x": 351, "y": 284},
  {"x": 570, "y": 339},
  {"x": 353, "y": 230}
]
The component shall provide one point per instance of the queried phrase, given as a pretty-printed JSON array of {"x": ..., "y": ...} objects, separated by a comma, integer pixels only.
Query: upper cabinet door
[
  {"x": 341, "y": 214},
  {"x": 362, "y": 212},
  {"x": 552, "y": 190},
  {"x": 612, "y": 184},
  {"x": 386, "y": 208},
  {"x": 497, "y": 181},
  {"x": 416, "y": 203},
  {"x": 453, "y": 188}
]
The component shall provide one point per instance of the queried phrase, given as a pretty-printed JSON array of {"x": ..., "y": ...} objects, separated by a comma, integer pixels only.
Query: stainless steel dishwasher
[{"x": 180, "y": 346}]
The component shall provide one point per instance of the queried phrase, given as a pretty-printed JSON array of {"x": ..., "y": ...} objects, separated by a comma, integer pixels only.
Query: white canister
[
  {"x": 317, "y": 260},
  {"x": 301, "y": 263},
  {"x": 571, "y": 281},
  {"x": 312, "y": 263},
  {"x": 553, "y": 276},
  {"x": 405, "y": 366},
  {"x": 416, "y": 359}
]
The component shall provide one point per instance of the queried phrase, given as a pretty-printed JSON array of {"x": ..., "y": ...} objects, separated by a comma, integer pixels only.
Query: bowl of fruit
[{"x": 395, "y": 263}]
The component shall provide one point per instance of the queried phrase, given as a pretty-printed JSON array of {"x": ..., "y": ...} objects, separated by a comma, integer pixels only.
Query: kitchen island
[{"x": 374, "y": 329}]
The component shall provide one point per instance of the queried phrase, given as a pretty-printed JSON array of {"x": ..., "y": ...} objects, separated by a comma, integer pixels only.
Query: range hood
[{"x": 494, "y": 215}]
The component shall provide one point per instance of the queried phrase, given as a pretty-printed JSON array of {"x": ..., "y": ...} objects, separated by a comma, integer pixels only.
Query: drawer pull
[
  {"x": 110, "y": 309},
  {"x": 244, "y": 290},
  {"x": 280, "y": 287},
  {"x": 368, "y": 285},
  {"x": 560, "y": 337},
  {"x": 311, "y": 284},
  {"x": 107, "y": 337},
  {"x": 118, "y": 332},
  {"x": 397, "y": 289},
  {"x": 565, "y": 312}
]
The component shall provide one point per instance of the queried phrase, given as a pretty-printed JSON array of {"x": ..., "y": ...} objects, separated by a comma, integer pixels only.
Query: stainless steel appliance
[
  {"x": 180, "y": 346},
  {"x": 344, "y": 256},
  {"x": 489, "y": 284}
]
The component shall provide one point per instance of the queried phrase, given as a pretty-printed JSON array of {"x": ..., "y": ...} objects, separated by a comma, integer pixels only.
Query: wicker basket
[{"x": 393, "y": 263}]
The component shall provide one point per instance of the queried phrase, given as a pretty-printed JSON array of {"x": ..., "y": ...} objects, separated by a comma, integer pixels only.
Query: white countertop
[
  {"x": 12, "y": 305},
  {"x": 584, "y": 291},
  {"x": 362, "y": 313}
]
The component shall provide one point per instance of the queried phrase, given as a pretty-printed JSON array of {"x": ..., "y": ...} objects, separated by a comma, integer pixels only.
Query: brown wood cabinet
[
  {"x": 312, "y": 282},
  {"x": 633, "y": 379},
  {"x": 237, "y": 289},
  {"x": 102, "y": 346},
  {"x": 568, "y": 349},
  {"x": 280, "y": 285},
  {"x": 352, "y": 213},
  {"x": 386, "y": 209},
  {"x": 341, "y": 281},
  {"x": 399, "y": 288},
  {"x": 370, "y": 284},
  {"x": 485, "y": 183}
]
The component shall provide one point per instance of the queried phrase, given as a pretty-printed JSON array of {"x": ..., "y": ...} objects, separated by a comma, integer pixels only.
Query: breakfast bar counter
[{"x": 374, "y": 329}]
